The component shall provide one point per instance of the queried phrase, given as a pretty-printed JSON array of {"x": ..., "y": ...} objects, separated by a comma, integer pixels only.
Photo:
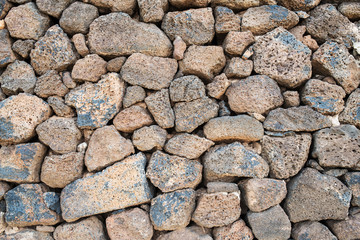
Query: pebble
[
  {"x": 349, "y": 115},
  {"x": 149, "y": 138},
  {"x": 50, "y": 84},
  {"x": 214, "y": 187},
  {"x": 115, "y": 64},
  {"x": 132, "y": 118},
  {"x": 45, "y": 229},
  {"x": 67, "y": 80},
  {"x": 235, "y": 43},
  {"x": 186, "y": 89},
  {"x": 6, "y": 55},
  {"x": 159, "y": 106},
  {"x": 311, "y": 230},
  {"x": 90, "y": 68}
]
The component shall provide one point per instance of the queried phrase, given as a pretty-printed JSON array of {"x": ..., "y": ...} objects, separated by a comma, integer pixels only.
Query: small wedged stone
[
  {"x": 117, "y": 34},
  {"x": 186, "y": 89},
  {"x": 238, "y": 68},
  {"x": 240, "y": 127},
  {"x": 189, "y": 3},
  {"x": 21, "y": 163},
  {"x": 50, "y": 84},
  {"x": 4, "y": 187},
  {"x": 192, "y": 232},
  {"x": 23, "y": 47},
  {"x": 351, "y": 10},
  {"x": 214, "y": 187},
  {"x": 133, "y": 94},
  {"x": 314, "y": 196},
  {"x": 218, "y": 86},
  {"x": 115, "y": 64},
  {"x": 236, "y": 231},
  {"x": 6, "y": 54},
  {"x": 298, "y": 119},
  {"x": 179, "y": 48},
  {"x": 148, "y": 138},
  {"x": 347, "y": 229},
  {"x": 170, "y": 173},
  {"x": 352, "y": 108},
  {"x": 60, "y": 108},
  {"x": 152, "y": 11},
  {"x": 260, "y": 20},
  {"x": 226, "y": 20},
  {"x": 119, "y": 186},
  {"x": 27, "y": 234},
  {"x": 352, "y": 180},
  {"x": 224, "y": 162},
  {"x": 126, "y": 6},
  {"x": 19, "y": 116},
  {"x": 291, "y": 99},
  {"x": 299, "y": 5},
  {"x": 311, "y": 231},
  {"x": 237, "y": 5},
  {"x": 235, "y": 43},
  {"x": 80, "y": 44},
  {"x": 52, "y": 8},
  {"x": 90, "y": 68},
  {"x": 132, "y": 118}
]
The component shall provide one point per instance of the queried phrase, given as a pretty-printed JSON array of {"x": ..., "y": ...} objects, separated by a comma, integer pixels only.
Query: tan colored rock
[
  {"x": 235, "y": 231},
  {"x": 6, "y": 54},
  {"x": 235, "y": 43},
  {"x": 159, "y": 106},
  {"x": 23, "y": 47},
  {"x": 349, "y": 115},
  {"x": 179, "y": 48},
  {"x": 186, "y": 89},
  {"x": 80, "y": 44},
  {"x": 50, "y": 84},
  {"x": 134, "y": 94},
  {"x": 115, "y": 64},
  {"x": 68, "y": 81},
  {"x": 298, "y": 5},
  {"x": 132, "y": 118},
  {"x": 351, "y": 10},
  {"x": 238, "y": 68},
  {"x": 4, "y": 187},
  {"x": 192, "y": 232},
  {"x": 52, "y": 7},
  {"x": 218, "y": 86},
  {"x": 226, "y": 20},
  {"x": 126, "y": 6},
  {"x": 214, "y": 187},
  {"x": 60, "y": 108},
  {"x": 28, "y": 234},
  {"x": 291, "y": 99},
  {"x": 312, "y": 231},
  {"x": 45, "y": 229},
  {"x": 148, "y": 138},
  {"x": 237, "y": 5},
  {"x": 310, "y": 42},
  {"x": 189, "y": 3},
  {"x": 346, "y": 229},
  {"x": 152, "y": 11},
  {"x": 90, "y": 68}
]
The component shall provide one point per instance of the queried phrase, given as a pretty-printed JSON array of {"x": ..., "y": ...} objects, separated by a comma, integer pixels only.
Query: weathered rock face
[
  {"x": 90, "y": 68},
  {"x": 299, "y": 5},
  {"x": 152, "y": 11},
  {"x": 186, "y": 89},
  {"x": 52, "y": 7},
  {"x": 350, "y": 114},
  {"x": 218, "y": 86},
  {"x": 235, "y": 43},
  {"x": 237, "y": 5},
  {"x": 50, "y": 84},
  {"x": 187, "y": 4},
  {"x": 126, "y": 6},
  {"x": 314, "y": 196},
  {"x": 236, "y": 230},
  {"x": 226, "y": 20},
  {"x": 352, "y": 180},
  {"x": 311, "y": 230},
  {"x": 134, "y": 94},
  {"x": 238, "y": 68},
  {"x": 132, "y": 118},
  {"x": 6, "y": 54},
  {"x": 116, "y": 34},
  {"x": 28, "y": 234},
  {"x": 126, "y": 178},
  {"x": 350, "y": 10},
  {"x": 148, "y": 138},
  {"x": 346, "y": 229},
  {"x": 160, "y": 108},
  {"x": 295, "y": 65}
]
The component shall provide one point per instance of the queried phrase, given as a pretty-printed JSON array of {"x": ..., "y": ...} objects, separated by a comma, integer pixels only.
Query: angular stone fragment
[
  {"x": 134, "y": 94},
  {"x": 334, "y": 59},
  {"x": 233, "y": 160},
  {"x": 60, "y": 134},
  {"x": 25, "y": 206},
  {"x": 68, "y": 81},
  {"x": 255, "y": 94},
  {"x": 194, "y": 26},
  {"x": 149, "y": 72},
  {"x": 126, "y": 6},
  {"x": 170, "y": 173},
  {"x": 117, "y": 34},
  {"x": 80, "y": 44},
  {"x": 291, "y": 99},
  {"x": 89, "y": 228},
  {"x": 295, "y": 65},
  {"x": 188, "y": 145},
  {"x": 19, "y": 115},
  {"x": 18, "y": 77},
  {"x": 6, "y": 53},
  {"x": 21, "y": 163},
  {"x": 158, "y": 104},
  {"x": 214, "y": 187},
  {"x": 346, "y": 229},
  {"x": 298, "y": 119},
  {"x": 186, "y": 89},
  {"x": 270, "y": 224},
  {"x": 172, "y": 211},
  {"x": 235, "y": 43},
  {"x": 240, "y": 127},
  {"x": 311, "y": 231},
  {"x": 129, "y": 224},
  {"x": 190, "y": 115},
  {"x": 78, "y": 17},
  {"x": 60, "y": 108},
  {"x": 97, "y": 103},
  {"x": 90, "y": 68},
  {"x": 337, "y": 147},
  {"x": 203, "y": 61},
  {"x": 52, "y": 7},
  {"x": 299, "y": 5},
  {"x": 237, "y": 5},
  {"x": 351, "y": 115},
  {"x": 50, "y": 84},
  {"x": 314, "y": 196},
  {"x": 226, "y": 20},
  {"x": 148, "y": 138},
  {"x": 27, "y": 234},
  {"x": 106, "y": 146},
  {"x": 152, "y": 11},
  {"x": 132, "y": 118},
  {"x": 115, "y": 64},
  {"x": 192, "y": 232},
  {"x": 237, "y": 231},
  {"x": 4, "y": 187},
  {"x": 23, "y": 47},
  {"x": 189, "y": 3},
  {"x": 352, "y": 180},
  {"x": 57, "y": 171},
  {"x": 53, "y": 51},
  {"x": 287, "y": 155},
  {"x": 27, "y": 22},
  {"x": 218, "y": 86},
  {"x": 238, "y": 68},
  {"x": 126, "y": 180},
  {"x": 260, "y": 20},
  {"x": 179, "y": 48},
  {"x": 351, "y": 10}
]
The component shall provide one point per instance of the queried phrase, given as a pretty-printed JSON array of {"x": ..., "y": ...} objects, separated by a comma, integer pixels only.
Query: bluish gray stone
[{"x": 352, "y": 180}]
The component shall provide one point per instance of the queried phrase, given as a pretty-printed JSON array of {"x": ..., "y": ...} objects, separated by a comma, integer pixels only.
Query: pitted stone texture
[
  {"x": 287, "y": 155},
  {"x": 235, "y": 231},
  {"x": 337, "y": 147},
  {"x": 237, "y": 5},
  {"x": 190, "y": 115},
  {"x": 188, "y": 145},
  {"x": 149, "y": 72},
  {"x": 126, "y": 6},
  {"x": 50, "y": 84},
  {"x": 57, "y": 171},
  {"x": 152, "y": 11},
  {"x": 170, "y": 173},
  {"x": 78, "y": 17},
  {"x": 23, "y": 47},
  {"x": 351, "y": 10},
  {"x": 255, "y": 94},
  {"x": 261, "y": 194},
  {"x": 148, "y": 138},
  {"x": 217, "y": 209},
  {"x": 226, "y": 20},
  {"x": 186, "y": 89},
  {"x": 60, "y": 108},
  {"x": 19, "y": 115},
  {"x": 89, "y": 228},
  {"x": 97, "y": 103},
  {"x": 218, "y": 86},
  {"x": 27, "y": 234},
  {"x": 27, "y": 22},
  {"x": 334, "y": 59},
  {"x": 18, "y": 77},
  {"x": 129, "y": 224},
  {"x": 291, "y": 99},
  {"x": 270, "y": 224},
  {"x": 314, "y": 196},
  {"x": 238, "y": 68},
  {"x": 90, "y": 68},
  {"x": 298, "y": 119},
  {"x": 203, "y": 61},
  {"x": 52, "y": 7},
  {"x": 132, "y": 118},
  {"x": 115, "y": 64},
  {"x": 159, "y": 106},
  {"x": 192, "y": 232},
  {"x": 117, "y": 34},
  {"x": 352, "y": 180},
  {"x": 60, "y": 134},
  {"x": 311, "y": 231},
  {"x": 119, "y": 186},
  {"x": 235, "y": 43},
  {"x": 326, "y": 23},
  {"x": 53, "y": 51},
  {"x": 21, "y": 163},
  {"x": 224, "y": 162},
  {"x": 25, "y": 206},
  {"x": 189, "y": 3},
  {"x": 106, "y": 146},
  {"x": 80, "y": 44},
  {"x": 214, "y": 187},
  {"x": 6, "y": 54},
  {"x": 293, "y": 69},
  {"x": 299, "y": 5},
  {"x": 179, "y": 48},
  {"x": 352, "y": 108},
  {"x": 347, "y": 229},
  {"x": 260, "y": 20},
  {"x": 194, "y": 26},
  {"x": 172, "y": 211},
  {"x": 240, "y": 127},
  {"x": 134, "y": 94}
]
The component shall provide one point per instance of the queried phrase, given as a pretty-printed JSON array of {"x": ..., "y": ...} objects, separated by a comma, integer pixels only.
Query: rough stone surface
[
  {"x": 90, "y": 68},
  {"x": 160, "y": 108},
  {"x": 23, "y": 47},
  {"x": 189, "y": 3},
  {"x": 192, "y": 232},
  {"x": 240, "y": 127},
  {"x": 152, "y": 11},
  {"x": 116, "y": 34},
  {"x": 236, "y": 231},
  {"x": 237, "y": 5},
  {"x": 299, "y": 5},
  {"x": 218, "y": 86},
  {"x": 179, "y": 48},
  {"x": 352, "y": 108},
  {"x": 291, "y": 99},
  {"x": 351, "y": 10},
  {"x": 126, "y": 6},
  {"x": 235, "y": 43},
  {"x": 60, "y": 108},
  {"x": 126, "y": 180},
  {"x": 346, "y": 229},
  {"x": 314, "y": 196},
  {"x": 50, "y": 84},
  {"x": 148, "y": 138},
  {"x": 238, "y": 68},
  {"x": 133, "y": 94},
  {"x": 187, "y": 88},
  {"x": 132, "y": 118},
  {"x": 80, "y": 44},
  {"x": 4, "y": 187},
  {"x": 214, "y": 187},
  {"x": 224, "y": 162},
  {"x": 6, "y": 54},
  {"x": 226, "y": 20},
  {"x": 311, "y": 231},
  {"x": 52, "y": 7},
  {"x": 27, "y": 234},
  {"x": 115, "y": 64},
  {"x": 352, "y": 180},
  {"x": 149, "y": 72}
]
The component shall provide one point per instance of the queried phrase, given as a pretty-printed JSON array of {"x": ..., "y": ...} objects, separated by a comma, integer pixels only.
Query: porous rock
[
  {"x": 350, "y": 114},
  {"x": 351, "y": 10},
  {"x": 59, "y": 107},
  {"x": 235, "y": 43},
  {"x": 218, "y": 86},
  {"x": 133, "y": 94},
  {"x": 238, "y": 68},
  {"x": 52, "y": 7},
  {"x": 299, "y": 5},
  {"x": 237, "y": 231},
  {"x": 126, "y": 6},
  {"x": 352, "y": 180},
  {"x": 148, "y": 138},
  {"x": 152, "y": 11},
  {"x": 28, "y": 234},
  {"x": 23, "y": 47},
  {"x": 50, "y": 84},
  {"x": 192, "y": 232},
  {"x": 90, "y": 68},
  {"x": 237, "y": 5},
  {"x": 132, "y": 118},
  {"x": 311, "y": 230},
  {"x": 226, "y": 20},
  {"x": 346, "y": 229}
]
